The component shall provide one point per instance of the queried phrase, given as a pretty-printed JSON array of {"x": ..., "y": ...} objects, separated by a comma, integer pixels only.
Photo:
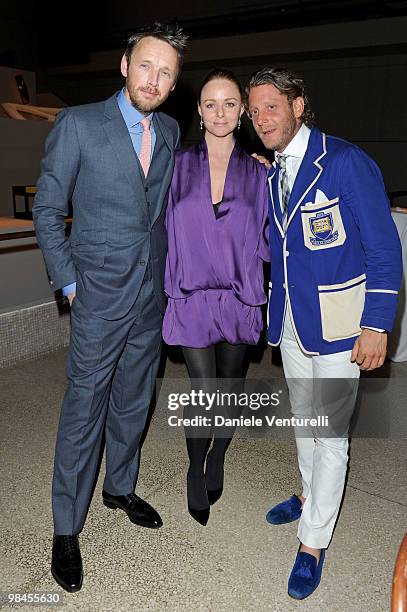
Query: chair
[
  {"x": 20, "y": 111},
  {"x": 399, "y": 590}
]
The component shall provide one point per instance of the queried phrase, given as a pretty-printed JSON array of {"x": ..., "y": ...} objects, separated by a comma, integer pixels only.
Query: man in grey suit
[{"x": 114, "y": 161}]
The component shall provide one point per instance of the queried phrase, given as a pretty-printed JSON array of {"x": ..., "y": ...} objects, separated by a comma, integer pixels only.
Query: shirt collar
[
  {"x": 130, "y": 114},
  {"x": 298, "y": 145}
]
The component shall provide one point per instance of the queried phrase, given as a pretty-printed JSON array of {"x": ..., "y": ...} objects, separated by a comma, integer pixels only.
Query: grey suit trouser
[{"x": 112, "y": 366}]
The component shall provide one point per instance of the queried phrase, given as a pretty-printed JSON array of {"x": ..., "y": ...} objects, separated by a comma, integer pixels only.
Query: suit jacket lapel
[
  {"x": 309, "y": 171},
  {"x": 119, "y": 137},
  {"x": 160, "y": 127},
  {"x": 163, "y": 159}
]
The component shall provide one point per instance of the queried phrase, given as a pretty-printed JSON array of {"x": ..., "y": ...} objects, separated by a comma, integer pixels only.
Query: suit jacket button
[{"x": 142, "y": 262}]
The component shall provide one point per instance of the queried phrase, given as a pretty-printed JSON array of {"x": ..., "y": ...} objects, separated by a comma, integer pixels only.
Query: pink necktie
[{"x": 145, "y": 151}]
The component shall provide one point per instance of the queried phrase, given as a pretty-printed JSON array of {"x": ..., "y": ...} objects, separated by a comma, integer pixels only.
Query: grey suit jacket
[{"x": 118, "y": 214}]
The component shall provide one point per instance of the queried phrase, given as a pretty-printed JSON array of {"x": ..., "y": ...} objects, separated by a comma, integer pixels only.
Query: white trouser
[{"x": 322, "y": 460}]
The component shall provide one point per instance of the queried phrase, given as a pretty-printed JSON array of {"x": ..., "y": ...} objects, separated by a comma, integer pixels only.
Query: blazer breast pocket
[{"x": 322, "y": 225}]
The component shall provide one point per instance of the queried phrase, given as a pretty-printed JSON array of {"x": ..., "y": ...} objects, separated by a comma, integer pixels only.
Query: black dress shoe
[
  {"x": 138, "y": 510},
  {"x": 66, "y": 566}
]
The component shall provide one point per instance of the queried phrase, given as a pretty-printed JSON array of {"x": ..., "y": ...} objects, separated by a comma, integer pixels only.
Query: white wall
[{"x": 21, "y": 151}]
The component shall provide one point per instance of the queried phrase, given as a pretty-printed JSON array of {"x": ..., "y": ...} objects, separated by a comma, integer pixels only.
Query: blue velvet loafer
[
  {"x": 305, "y": 575},
  {"x": 286, "y": 512}
]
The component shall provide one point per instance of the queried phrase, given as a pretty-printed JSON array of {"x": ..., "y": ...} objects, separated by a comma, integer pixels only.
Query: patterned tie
[
  {"x": 145, "y": 151},
  {"x": 285, "y": 189}
]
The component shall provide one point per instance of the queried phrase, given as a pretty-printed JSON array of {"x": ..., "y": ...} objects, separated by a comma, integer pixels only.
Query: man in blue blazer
[
  {"x": 335, "y": 276},
  {"x": 114, "y": 161}
]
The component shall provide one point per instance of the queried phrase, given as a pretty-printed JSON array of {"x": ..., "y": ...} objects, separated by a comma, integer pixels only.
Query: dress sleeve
[{"x": 263, "y": 246}]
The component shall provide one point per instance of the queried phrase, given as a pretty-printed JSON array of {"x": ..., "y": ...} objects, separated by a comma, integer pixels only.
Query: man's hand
[
  {"x": 71, "y": 297},
  {"x": 370, "y": 348},
  {"x": 262, "y": 160}
]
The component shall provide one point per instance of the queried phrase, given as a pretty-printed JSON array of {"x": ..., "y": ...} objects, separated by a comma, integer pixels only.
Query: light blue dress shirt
[{"x": 132, "y": 118}]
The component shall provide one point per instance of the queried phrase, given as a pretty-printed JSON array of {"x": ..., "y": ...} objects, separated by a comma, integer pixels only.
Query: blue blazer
[{"x": 339, "y": 262}]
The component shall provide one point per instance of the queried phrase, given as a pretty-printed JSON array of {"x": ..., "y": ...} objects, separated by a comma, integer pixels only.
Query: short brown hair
[
  {"x": 287, "y": 83},
  {"x": 172, "y": 34}
]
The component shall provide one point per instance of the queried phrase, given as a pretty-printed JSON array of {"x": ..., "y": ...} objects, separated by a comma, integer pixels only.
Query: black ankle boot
[
  {"x": 214, "y": 475},
  {"x": 198, "y": 503}
]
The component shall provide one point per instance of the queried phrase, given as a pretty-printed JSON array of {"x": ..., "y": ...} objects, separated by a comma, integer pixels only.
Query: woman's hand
[{"x": 262, "y": 160}]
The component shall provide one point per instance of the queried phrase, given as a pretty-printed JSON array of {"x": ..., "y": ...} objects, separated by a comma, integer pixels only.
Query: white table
[{"x": 398, "y": 337}]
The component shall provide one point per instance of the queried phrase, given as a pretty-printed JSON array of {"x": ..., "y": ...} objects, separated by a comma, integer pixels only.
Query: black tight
[
  {"x": 221, "y": 360},
  {"x": 220, "y": 366}
]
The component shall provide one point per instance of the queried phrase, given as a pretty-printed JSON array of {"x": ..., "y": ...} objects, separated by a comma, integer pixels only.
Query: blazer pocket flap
[
  {"x": 88, "y": 259},
  {"x": 88, "y": 239}
]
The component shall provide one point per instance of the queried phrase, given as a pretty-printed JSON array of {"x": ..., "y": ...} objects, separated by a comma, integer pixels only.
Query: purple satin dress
[{"x": 214, "y": 273}]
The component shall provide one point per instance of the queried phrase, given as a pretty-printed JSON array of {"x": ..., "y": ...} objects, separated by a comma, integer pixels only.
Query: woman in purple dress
[{"x": 216, "y": 220}]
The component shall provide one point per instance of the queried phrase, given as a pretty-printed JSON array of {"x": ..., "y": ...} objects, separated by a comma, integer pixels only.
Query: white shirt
[{"x": 295, "y": 151}]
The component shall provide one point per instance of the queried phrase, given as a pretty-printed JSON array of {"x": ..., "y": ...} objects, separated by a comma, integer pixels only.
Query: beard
[
  {"x": 287, "y": 133},
  {"x": 141, "y": 103}
]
